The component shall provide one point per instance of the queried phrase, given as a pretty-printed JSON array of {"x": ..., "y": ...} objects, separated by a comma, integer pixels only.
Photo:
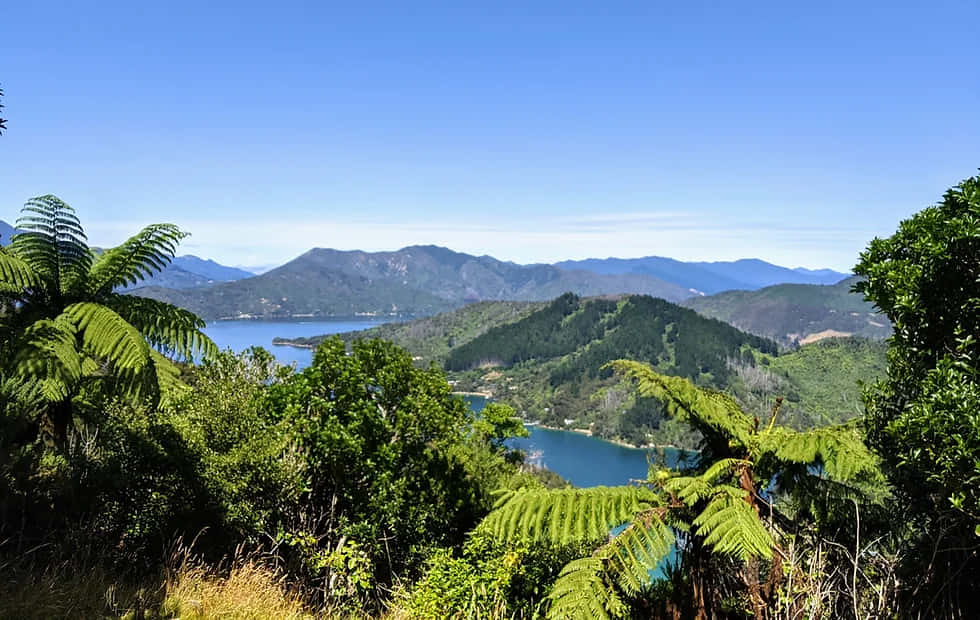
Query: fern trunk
[{"x": 58, "y": 421}]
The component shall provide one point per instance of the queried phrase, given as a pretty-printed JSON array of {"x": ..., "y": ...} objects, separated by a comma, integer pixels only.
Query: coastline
[
  {"x": 618, "y": 442},
  {"x": 290, "y": 343}
]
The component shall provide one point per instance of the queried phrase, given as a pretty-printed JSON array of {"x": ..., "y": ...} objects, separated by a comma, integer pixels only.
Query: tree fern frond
[
  {"x": 713, "y": 413},
  {"x": 17, "y": 273},
  {"x": 167, "y": 376},
  {"x": 139, "y": 257},
  {"x": 53, "y": 242},
  {"x": 46, "y": 352},
  {"x": 172, "y": 330},
  {"x": 106, "y": 335},
  {"x": 582, "y": 592},
  {"x": 19, "y": 396},
  {"x": 567, "y": 515},
  {"x": 637, "y": 550},
  {"x": 840, "y": 450},
  {"x": 731, "y": 526}
]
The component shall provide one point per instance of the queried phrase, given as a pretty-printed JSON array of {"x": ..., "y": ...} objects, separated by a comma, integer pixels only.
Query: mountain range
[
  {"x": 709, "y": 277},
  {"x": 804, "y": 305},
  {"x": 190, "y": 271},
  {"x": 413, "y": 281}
]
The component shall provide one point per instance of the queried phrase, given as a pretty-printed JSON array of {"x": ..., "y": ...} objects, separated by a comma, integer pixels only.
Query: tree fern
[
  {"x": 53, "y": 242},
  {"x": 61, "y": 323},
  {"x": 720, "y": 504}
]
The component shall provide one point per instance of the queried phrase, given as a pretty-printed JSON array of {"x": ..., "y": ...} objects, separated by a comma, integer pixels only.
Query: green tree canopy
[{"x": 924, "y": 419}]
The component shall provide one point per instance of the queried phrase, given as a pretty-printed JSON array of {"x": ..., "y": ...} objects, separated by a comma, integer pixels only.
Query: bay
[
  {"x": 240, "y": 335},
  {"x": 583, "y": 460}
]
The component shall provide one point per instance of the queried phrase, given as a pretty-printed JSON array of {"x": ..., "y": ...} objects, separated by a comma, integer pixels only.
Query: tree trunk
[{"x": 57, "y": 422}]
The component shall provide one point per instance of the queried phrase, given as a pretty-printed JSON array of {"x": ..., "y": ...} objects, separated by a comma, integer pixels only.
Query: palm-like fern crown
[
  {"x": 718, "y": 502},
  {"x": 62, "y": 321}
]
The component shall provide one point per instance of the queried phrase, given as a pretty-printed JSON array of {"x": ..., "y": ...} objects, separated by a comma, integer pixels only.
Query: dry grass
[
  {"x": 250, "y": 591},
  {"x": 189, "y": 590}
]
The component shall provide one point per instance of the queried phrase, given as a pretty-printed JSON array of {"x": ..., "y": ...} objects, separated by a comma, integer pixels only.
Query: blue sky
[{"x": 531, "y": 131}]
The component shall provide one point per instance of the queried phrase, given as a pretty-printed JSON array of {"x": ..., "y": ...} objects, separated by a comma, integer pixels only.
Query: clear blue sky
[{"x": 530, "y": 131}]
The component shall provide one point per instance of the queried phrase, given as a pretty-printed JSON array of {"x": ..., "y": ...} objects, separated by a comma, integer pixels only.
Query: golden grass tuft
[{"x": 250, "y": 591}]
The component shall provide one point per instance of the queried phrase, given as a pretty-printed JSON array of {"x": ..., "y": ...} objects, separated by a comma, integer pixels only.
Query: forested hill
[
  {"x": 430, "y": 339},
  {"x": 549, "y": 366},
  {"x": 417, "y": 280},
  {"x": 587, "y": 333},
  {"x": 796, "y": 313}
]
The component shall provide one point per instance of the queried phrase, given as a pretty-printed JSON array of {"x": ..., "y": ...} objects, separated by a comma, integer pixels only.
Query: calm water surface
[
  {"x": 583, "y": 460},
  {"x": 240, "y": 335}
]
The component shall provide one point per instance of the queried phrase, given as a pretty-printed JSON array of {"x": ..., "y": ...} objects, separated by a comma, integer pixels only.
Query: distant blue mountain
[
  {"x": 190, "y": 271},
  {"x": 210, "y": 269},
  {"x": 6, "y": 232},
  {"x": 759, "y": 274},
  {"x": 708, "y": 277}
]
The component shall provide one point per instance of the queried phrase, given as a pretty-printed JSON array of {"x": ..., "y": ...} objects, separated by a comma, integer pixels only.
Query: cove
[
  {"x": 239, "y": 335},
  {"x": 583, "y": 460}
]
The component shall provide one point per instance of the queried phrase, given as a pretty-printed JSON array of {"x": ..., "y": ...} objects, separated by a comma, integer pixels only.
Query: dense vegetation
[
  {"x": 796, "y": 313},
  {"x": 924, "y": 419},
  {"x": 413, "y": 281},
  {"x": 136, "y": 484},
  {"x": 431, "y": 338}
]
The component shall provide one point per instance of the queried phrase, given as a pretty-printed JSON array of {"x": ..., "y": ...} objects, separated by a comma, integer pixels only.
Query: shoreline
[
  {"x": 289, "y": 343},
  {"x": 618, "y": 442}
]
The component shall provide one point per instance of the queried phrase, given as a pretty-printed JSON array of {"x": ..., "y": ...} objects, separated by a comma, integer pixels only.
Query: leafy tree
[
  {"x": 923, "y": 419},
  {"x": 725, "y": 505},
  {"x": 381, "y": 440},
  {"x": 63, "y": 325}
]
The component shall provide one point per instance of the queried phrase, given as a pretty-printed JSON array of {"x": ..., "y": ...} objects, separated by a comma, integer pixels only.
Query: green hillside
[
  {"x": 549, "y": 365},
  {"x": 430, "y": 339},
  {"x": 792, "y": 313},
  {"x": 546, "y": 360}
]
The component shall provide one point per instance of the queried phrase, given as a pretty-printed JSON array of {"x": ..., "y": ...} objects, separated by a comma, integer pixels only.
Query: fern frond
[
  {"x": 637, "y": 550},
  {"x": 567, "y": 515},
  {"x": 713, "y": 413},
  {"x": 730, "y": 525},
  {"x": 582, "y": 592},
  {"x": 46, "y": 353},
  {"x": 171, "y": 330},
  {"x": 107, "y": 336},
  {"x": 168, "y": 383},
  {"x": 139, "y": 257},
  {"x": 840, "y": 450},
  {"x": 53, "y": 242},
  {"x": 16, "y": 273}
]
